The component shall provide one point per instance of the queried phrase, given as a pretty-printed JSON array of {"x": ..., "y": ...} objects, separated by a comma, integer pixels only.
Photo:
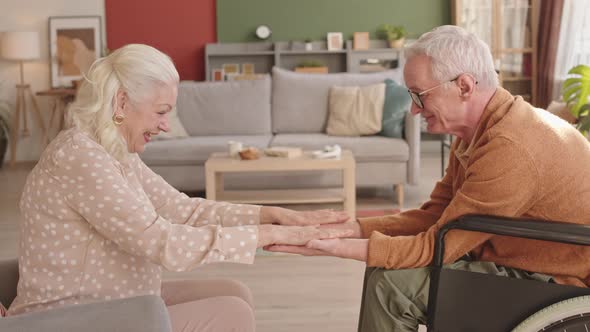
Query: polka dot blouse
[{"x": 95, "y": 229}]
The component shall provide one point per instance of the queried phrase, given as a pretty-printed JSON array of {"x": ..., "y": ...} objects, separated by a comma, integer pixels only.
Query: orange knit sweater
[{"x": 522, "y": 162}]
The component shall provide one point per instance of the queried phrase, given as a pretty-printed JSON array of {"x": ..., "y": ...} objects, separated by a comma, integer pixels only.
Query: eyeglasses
[{"x": 416, "y": 95}]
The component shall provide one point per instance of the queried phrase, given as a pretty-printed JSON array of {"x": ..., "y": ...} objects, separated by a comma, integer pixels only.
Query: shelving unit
[
  {"x": 509, "y": 27},
  {"x": 288, "y": 55}
]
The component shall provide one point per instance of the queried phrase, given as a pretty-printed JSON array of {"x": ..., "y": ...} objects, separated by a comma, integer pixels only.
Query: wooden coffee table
[{"x": 220, "y": 163}]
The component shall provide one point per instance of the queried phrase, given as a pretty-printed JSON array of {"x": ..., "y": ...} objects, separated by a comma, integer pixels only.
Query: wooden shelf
[
  {"x": 239, "y": 53},
  {"x": 373, "y": 50},
  {"x": 288, "y": 55},
  {"x": 312, "y": 52}
]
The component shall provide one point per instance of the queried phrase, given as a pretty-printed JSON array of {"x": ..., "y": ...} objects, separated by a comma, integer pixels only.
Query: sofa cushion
[
  {"x": 300, "y": 100},
  {"x": 397, "y": 103},
  {"x": 355, "y": 110},
  {"x": 195, "y": 150},
  {"x": 225, "y": 108},
  {"x": 364, "y": 148}
]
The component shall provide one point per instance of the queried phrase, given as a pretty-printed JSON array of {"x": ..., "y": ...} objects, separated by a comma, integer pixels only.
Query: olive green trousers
[{"x": 397, "y": 300}]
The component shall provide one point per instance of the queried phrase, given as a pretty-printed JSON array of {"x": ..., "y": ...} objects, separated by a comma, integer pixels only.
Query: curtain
[
  {"x": 573, "y": 47},
  {"x": 547, "y": 41},
  {"x": 476, "y": 17},
  {"x": 515, "y": 34}
]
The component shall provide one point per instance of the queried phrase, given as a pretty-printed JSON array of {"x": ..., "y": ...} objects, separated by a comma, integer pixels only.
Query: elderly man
[{"x": 509, "y": 159}]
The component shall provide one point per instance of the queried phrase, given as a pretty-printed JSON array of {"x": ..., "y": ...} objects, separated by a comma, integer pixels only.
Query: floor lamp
[{"x": 22, "y": 46}]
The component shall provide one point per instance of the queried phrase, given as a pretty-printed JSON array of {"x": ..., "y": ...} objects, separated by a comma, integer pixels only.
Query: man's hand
[
  {"x": 296, "y": 235},
  {"x": 352, "y": 225},
  {"x": 345, "y": 248},
  {"x": 277, "y": 215}
]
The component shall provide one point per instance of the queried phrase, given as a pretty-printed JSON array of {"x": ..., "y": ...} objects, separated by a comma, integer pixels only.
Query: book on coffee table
[{"x": 283, "y": 152}]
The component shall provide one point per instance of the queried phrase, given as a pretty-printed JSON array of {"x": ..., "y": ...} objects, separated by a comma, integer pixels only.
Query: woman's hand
[
  {"x": 296, "y": 235},
  {"x": 277, "y": 215},
  {"x": 345, "y": 248}
]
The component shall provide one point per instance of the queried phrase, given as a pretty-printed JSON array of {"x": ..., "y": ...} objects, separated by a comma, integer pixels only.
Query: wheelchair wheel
[{"x": 568, "y": 315}]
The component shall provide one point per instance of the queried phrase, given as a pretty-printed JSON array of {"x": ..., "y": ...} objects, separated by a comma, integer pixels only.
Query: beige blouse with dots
[{"x": 96, "y": 229}]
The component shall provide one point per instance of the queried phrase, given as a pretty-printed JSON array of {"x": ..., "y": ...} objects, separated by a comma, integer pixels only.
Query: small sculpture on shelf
[{"x": 308, "y": 44}]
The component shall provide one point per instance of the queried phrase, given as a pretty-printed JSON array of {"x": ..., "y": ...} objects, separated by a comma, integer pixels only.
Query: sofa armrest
[
  {"x": 142, "y": 314},
  {"x": 412, "y": 136}
]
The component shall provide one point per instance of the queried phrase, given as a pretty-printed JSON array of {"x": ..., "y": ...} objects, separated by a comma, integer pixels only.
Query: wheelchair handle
[{"x": 525, "y": 228}]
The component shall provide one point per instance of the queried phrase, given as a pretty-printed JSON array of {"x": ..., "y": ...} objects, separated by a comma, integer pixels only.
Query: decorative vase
[
  {"x": 398, "y": 43},
  {"x": 308, "y": 46}
]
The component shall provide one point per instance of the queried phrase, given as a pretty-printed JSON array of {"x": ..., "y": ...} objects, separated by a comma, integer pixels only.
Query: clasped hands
[{"x": 311, "y": 233}]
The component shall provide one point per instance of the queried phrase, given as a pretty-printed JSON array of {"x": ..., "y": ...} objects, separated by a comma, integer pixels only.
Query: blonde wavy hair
[{"x": 139, "y": 70}]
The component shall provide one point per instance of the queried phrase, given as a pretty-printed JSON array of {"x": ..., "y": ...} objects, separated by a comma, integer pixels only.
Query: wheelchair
[{"x": 462, "y": 301}]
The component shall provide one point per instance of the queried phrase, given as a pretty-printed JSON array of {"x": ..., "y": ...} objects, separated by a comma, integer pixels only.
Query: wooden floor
[{"x": 291, "y": 293}]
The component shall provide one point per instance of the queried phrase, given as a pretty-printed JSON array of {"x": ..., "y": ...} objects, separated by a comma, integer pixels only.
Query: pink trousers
[{"x": 209, "y": 305}]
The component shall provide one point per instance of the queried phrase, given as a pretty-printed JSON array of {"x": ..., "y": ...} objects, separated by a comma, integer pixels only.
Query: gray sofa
[
  {"x": 289, "y": 109},
  {"x": 146, "y": 313}
]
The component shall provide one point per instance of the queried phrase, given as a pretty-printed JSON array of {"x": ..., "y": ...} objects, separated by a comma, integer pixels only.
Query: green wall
[{"x": 301, "y": 19}]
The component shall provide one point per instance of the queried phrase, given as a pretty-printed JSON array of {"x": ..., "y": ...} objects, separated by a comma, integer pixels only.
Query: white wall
[{"x": 33, "y": 15}]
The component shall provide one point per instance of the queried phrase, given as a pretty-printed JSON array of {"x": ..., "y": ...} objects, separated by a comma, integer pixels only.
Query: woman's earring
[{"x": 118, "y": 119}]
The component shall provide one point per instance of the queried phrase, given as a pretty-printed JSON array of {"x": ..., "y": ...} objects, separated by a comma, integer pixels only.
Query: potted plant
[
  {"x": 4, "y": 129},
  {"x": 576, "y": 93},
  {"x": 394, "y": 34},
  {"x": 311, "y": 66}
]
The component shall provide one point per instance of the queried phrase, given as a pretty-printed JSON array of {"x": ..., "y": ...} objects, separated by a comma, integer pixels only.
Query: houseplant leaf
[
  {"x": 584, "y": 124},
  {"x": 576, "y": 89}
]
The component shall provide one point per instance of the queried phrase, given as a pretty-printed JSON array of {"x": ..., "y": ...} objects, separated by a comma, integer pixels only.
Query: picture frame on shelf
[
  {"x": 335, "y": 41},
  {"x": 361, "y": 41},
  {"x": 248, "y": 68},
  {"x": 217, "y": 75},
  {"x": 230, "y": 68},
  {"x": 75, "y": 42}
]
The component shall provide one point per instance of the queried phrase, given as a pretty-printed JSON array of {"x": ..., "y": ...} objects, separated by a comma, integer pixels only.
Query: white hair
[
  {"x": 454, "y": 51},
  {"x": 139, "y": 70}
]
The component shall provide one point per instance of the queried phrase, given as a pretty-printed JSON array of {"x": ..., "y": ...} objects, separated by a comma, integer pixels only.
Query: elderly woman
[{"x": 100, "y": 225}]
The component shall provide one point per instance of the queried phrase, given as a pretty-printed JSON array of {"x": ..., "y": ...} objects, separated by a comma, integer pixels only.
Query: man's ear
[
  {"x": 122, "y": 101},
  {"x": 466, "y": 85}
]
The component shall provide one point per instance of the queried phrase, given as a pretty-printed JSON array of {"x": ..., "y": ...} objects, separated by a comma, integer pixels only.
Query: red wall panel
[{"x": 179, "y": 28}]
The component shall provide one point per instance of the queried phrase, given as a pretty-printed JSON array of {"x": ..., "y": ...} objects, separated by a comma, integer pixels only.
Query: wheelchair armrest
[
  {"x": 146, "y": 313},
  {"x": 525, "y": 228}
]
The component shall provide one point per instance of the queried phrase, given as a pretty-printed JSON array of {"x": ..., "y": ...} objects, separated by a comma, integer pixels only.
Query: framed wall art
[
  {"x": 361, "y": 41},
  {"x": 248, "y": 68},
  {"x": 231, "y": 68},
  {"x": 217, "y": 74},
  {"x": 74, "y": 44},
  {"x": 335, "y": 41}
]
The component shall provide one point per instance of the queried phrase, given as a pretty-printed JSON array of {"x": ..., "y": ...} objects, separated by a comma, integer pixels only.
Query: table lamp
[{"x": 22, "y": 46}]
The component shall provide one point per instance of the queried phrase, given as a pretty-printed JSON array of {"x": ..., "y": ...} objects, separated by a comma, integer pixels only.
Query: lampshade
[{"x": 20, "y": 45}]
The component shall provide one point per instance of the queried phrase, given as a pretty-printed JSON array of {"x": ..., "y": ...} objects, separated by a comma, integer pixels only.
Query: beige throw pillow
[
  {"x": 176, "y": 128},
  {"x": 355, "y": 111}
]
